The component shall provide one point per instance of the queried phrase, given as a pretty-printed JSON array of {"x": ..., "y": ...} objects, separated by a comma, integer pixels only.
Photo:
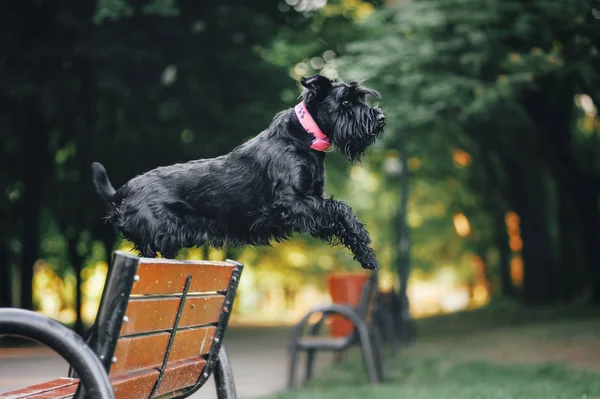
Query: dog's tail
[{"x": 103, "y": 186}]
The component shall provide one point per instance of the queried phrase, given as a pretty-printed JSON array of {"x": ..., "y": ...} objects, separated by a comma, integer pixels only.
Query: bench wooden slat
[
  {"x": 156, "y": 314},
  {"x": 38, "y": 389},
  {"x": 59, "y": 393},
  {"x": 163, "y": 276},
  {"x": 192, "y": 342},
  {"x": 145, "y": 351},
  {"x": 181, "y": 374},
  {"x": 135, "y": 385},
  {"x": 140, "y": 352}
]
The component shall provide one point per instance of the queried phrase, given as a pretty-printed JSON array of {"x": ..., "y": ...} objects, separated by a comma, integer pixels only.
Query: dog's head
[{"x": 343, "y": 115}]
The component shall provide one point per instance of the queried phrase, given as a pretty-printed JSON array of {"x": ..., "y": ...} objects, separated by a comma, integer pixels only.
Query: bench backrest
[
  {"x": 161, "y": 323},
  {"x": 367, "y": 298}
]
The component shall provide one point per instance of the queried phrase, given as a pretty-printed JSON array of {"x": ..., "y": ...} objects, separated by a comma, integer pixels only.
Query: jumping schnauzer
[{"x": 266, "y": 189}]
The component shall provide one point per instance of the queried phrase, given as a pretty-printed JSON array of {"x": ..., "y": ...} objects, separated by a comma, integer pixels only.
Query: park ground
[{"x": 499, "y": 352}]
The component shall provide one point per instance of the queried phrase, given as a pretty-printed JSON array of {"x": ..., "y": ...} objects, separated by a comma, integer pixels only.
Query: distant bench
[
  {"x": 365, "y": 319},
  {"x": 158, "y": 333}
]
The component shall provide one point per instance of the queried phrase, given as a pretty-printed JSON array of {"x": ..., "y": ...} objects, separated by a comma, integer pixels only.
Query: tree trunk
[
  {"x": 551, "y": 109},
  {"x": 573, "y": 260},
  {"x": 404, "y": 248},
  {"x": 483, "y": 273},
  {"x": 507, "y": 287},
  {"x": 529, "y": 199},
  {"x": 35, "y": 140},
  {"x": 5, "y": 275},
  {"x": 7, "y": 230},
  {"x": 538, "y": 256},
  {"x": 109, "y": 244},
  {"x": 588, "y": 206},
  {"x": 31, "y": 212},
  {"x": 77, "y": 263}
]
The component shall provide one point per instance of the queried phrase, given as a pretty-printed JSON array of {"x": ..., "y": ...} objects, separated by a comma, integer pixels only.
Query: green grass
[
  {"x": 436, "y": 378},
  {"x": 485, "y": 354}
]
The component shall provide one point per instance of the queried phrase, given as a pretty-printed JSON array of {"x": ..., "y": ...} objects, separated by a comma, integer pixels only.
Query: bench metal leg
[
  {"x": 311, "y": 354},
  {"x": 224, "y": 377},
  {"x": 367, "y": 353},
  {"x": 377, "y": 355},
  {"x": 293, "y": 363}
]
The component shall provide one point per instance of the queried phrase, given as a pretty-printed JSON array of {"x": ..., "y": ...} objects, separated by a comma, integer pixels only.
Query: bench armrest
[
  {"x": 28, "y": 324},
  {"x": 326, "y": 311}
]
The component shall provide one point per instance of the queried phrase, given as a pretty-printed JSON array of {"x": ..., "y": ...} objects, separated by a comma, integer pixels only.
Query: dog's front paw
[
  {"x": 368, "y": 261},
  {"x": 370, "y": 264}
]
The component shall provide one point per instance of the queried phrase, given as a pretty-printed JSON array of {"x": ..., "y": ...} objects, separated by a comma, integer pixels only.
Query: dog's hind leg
[
  {"x": 169, "y": 247},
  {"x": 147, "y": 252}
]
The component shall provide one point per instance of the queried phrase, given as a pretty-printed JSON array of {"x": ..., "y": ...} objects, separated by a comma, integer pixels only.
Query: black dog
[{"x": 266, "y": 189}]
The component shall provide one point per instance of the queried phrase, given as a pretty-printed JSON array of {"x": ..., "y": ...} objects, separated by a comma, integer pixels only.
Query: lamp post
[{"x": 396, "y": 166}]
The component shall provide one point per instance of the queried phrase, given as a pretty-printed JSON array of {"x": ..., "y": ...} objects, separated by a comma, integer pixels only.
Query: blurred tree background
[{"x": 487, "y": 184}]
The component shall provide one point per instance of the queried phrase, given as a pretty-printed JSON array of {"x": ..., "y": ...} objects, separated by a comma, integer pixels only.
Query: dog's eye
[{"x": 346, "y": 103}]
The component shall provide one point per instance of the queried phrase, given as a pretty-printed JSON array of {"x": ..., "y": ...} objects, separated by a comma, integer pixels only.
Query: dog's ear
[{"x": 317, "y": 87}]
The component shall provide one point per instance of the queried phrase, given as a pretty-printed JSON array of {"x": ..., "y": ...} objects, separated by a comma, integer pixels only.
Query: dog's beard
[{"x": 353, "y": 137}]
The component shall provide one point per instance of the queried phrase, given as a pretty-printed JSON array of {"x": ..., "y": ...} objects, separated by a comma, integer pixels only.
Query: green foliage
[
  {"x": 136, "y": 85},
  {"x": 163, "y": 8},
  {"x": 495, "y": 79},
  {"x": 153, "y": 83},
  {"x": 112, "y": 10},
  {"x": 446, "y": 64}
]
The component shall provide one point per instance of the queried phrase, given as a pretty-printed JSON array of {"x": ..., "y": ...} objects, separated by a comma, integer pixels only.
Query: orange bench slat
[
  {"x": 34, "y": 391},
  {"x": 145, "y": 351},
  {"x": 156, "y": 314},
  {"x": 163, "y": 276}
]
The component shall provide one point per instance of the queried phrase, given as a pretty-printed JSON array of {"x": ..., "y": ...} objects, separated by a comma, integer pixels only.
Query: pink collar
[{"x": 321, "y": 142}]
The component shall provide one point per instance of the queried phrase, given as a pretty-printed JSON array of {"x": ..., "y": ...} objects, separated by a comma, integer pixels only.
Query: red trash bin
[{"x": 344, "y": 289}]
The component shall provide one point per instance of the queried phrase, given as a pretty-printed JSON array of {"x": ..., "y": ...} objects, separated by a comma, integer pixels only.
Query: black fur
[{"x": 266, "y": 189}]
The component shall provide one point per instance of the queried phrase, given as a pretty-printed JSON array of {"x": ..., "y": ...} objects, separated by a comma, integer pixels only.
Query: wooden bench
[
  {"x": 158, "y": 333},
  {"x": 365, "y": 334}
]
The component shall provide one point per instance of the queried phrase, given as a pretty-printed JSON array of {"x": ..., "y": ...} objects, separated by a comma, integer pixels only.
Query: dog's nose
[{"x": 380, "y": 117}]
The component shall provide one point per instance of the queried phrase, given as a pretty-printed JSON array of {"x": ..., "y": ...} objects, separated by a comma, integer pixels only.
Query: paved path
[{"x": 258, "y": 357}]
